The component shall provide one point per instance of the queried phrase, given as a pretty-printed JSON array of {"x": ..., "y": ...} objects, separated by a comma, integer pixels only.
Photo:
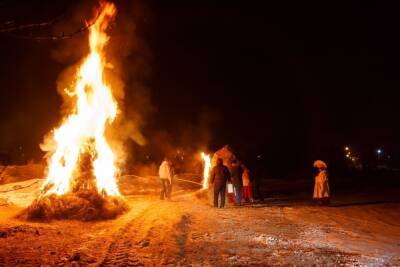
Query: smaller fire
[{"x": 207, "y": 166}]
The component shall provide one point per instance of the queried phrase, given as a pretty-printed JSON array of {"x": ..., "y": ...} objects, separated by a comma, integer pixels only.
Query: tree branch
[
  {"x": 25, "y": 26},
  {"x": 61, "y": 36}
]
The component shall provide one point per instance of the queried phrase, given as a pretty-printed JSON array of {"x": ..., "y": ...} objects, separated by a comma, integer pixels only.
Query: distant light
[
  {"x": 379, "y": 151},
  {"x": 259, "y": 156},
  {"x": 347, "y": 148}
]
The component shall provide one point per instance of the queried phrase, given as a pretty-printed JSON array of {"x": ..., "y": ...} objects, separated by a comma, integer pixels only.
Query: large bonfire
[{"x": 81, "y": 178}]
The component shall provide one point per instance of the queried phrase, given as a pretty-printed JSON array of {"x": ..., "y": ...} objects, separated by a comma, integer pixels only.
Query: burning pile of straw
[{"x": 84, "y": 205}]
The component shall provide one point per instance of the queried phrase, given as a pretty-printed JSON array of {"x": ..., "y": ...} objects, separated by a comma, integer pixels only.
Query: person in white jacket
[{"x": 166, "y": 174}]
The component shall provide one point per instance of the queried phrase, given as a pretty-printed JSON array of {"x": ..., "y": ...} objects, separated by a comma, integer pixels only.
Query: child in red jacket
[{"x": 247, "y": 192}]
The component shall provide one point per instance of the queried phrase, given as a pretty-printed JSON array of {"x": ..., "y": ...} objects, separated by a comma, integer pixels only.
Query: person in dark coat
[
  {"x": 236, "y": 177},
  {"x": 219, "y": 176}
]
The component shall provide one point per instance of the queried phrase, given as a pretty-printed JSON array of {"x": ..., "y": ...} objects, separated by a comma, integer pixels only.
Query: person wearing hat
[{"x": 321, "y": 187}]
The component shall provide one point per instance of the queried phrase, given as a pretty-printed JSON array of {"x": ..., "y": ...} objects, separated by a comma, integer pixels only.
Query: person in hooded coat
[
  {"x": 166, "y": 174},
  {"x": 321, "y": 186},
  {"x": 219, "y": 176}
]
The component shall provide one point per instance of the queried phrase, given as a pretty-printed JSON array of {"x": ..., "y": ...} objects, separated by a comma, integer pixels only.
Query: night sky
[{"x": 292, "y": 82}]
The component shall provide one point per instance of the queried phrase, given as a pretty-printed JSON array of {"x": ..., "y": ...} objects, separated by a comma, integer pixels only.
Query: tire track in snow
[
  {"x": 183, "y": 232},
  {"x": 158, "y": 235},
  {"x": 121, "y": 251}
]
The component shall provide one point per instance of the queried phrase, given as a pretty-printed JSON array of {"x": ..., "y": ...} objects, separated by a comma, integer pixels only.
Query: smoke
[
  {"x": 129, "y": 75},
  {"x": 128, "y": 69},
  {"x": 200, "y": 134},
  {"x": 182, "y": 143},
  {"x": 186, "y": 137}
]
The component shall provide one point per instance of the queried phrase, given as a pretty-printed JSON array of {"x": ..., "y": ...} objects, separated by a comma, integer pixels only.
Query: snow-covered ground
[{"x": 188, "y": 231}]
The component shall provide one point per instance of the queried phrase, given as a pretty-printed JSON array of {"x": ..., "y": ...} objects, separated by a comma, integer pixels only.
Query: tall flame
[
  {"x": 83, "y": 131},
  {"x": 206, "y": 171}
]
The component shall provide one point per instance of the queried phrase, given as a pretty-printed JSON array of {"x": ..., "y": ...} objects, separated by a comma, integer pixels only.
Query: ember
[{"x": 82, "y": 164}]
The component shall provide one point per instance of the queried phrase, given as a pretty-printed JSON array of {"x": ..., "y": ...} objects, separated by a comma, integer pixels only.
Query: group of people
[
  {"x": 239, "y": 176},
  {"x": 236, "y": 176}
]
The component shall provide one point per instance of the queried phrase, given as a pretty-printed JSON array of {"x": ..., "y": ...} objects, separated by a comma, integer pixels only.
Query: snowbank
[
  {"x": 17, "y": 173},
  {"x": 20, "y": 193}
]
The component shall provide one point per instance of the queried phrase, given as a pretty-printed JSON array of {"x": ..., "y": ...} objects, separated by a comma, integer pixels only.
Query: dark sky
[{"x": 293, "y": 81}]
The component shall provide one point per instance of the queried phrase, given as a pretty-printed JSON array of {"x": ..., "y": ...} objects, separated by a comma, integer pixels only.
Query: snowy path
[{"x": 187, "y": 231}]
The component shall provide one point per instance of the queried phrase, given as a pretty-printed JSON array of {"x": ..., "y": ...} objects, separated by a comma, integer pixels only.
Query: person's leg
[
  {"x": 167, "y": 189},
  {"x": 237, "y": 195},
  {"x": 246, "y": 195},
  {"x": 235, "y": 189},
  {"x": 216, "y": 194},
  {"x": 250, "y": 194},
  {"x": 162, "y": 194},
  {"x": 240, "y": 194},
  {"x": 222, "y": 192},
  {"x": 170, "y": 189},
  {"x": 231, "y": 198}
]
